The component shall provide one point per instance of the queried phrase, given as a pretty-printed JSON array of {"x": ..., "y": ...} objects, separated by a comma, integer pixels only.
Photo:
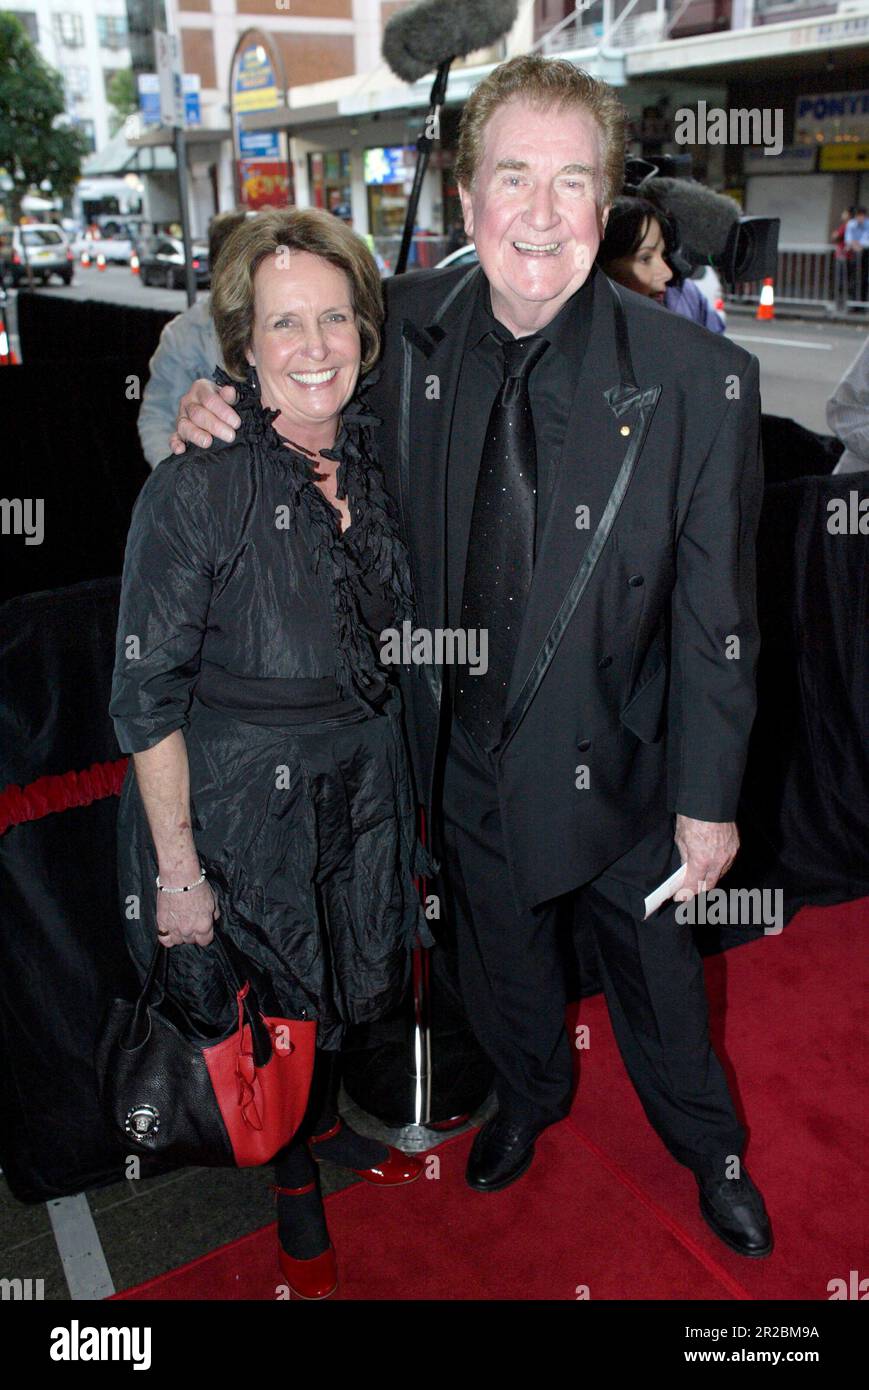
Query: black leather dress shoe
[
  {"x": 734, "y": 1209},
  {"x": 501, "y": 1153}
]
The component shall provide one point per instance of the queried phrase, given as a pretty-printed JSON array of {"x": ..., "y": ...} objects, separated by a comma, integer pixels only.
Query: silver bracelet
[{"x": 187, "y": 889}]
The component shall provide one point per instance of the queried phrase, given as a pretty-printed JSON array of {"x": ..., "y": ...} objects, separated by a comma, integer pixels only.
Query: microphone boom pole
[{"x": 424, "y": 144}]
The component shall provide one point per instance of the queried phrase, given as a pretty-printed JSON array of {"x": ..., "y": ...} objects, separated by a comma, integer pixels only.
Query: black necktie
[{"x": 501, "y": 545}]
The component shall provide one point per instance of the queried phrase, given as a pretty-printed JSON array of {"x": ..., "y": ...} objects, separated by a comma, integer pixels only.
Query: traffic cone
[
  {"x": 85, "y": 261},
  {"x": 765, "y": 308},
  {"x": 7, "y": 356},
  {"x": 134, "y": 263},
  {"x": 101, "y": 261}
]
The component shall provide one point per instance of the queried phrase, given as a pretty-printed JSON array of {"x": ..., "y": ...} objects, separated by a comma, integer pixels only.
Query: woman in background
[{"x": 635, "y": 251}]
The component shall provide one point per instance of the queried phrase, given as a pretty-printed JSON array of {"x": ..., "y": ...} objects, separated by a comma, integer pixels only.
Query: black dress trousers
[{"x": 512, "y": 975}]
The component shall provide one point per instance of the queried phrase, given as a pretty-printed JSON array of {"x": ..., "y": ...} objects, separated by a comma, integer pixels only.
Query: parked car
[
  {"x": 466, "y": 255},
  {"x": 161, "y": 262},
  {"x": 116, "y": 240},
  {"x": 47, "y": 248}
]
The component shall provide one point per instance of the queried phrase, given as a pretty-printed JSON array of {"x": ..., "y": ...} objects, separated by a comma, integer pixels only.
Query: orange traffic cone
[
  {"x": 134, "y": 263},
  {"x": 101, "y": 261},
  {"x": 85, "y": 261},
  {"x": 765, "y": 308},
  {"x": 7, "y": 356}
]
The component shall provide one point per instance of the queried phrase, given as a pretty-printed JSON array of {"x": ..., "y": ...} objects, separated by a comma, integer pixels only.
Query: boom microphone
[
  {"x": 710, "y": 226},
  {"x": 704, "y": 218},
  {"x": 418, "y": 40}
]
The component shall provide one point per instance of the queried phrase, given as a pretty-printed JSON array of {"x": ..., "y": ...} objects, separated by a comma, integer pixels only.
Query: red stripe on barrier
[{"x": 49, "y": 794}]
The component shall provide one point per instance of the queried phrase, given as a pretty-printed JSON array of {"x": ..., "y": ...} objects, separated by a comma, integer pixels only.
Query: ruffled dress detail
[{"x": 370, "y": 549}]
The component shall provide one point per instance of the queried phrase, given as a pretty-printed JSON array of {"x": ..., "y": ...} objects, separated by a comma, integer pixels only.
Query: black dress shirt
[{"x": 551, "y": 387}]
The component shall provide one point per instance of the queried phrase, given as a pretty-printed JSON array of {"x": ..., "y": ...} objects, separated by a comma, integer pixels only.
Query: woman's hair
[
  {"x": 627, "y": 227},
  {"x": 309, "y": 229},
  {"x": 545, "y": 83}
]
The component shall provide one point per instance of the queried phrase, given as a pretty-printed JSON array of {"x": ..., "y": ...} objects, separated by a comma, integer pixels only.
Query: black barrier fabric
[
  {"x": 804, "y": 816},
  {"x": 792, "y": 451},
  {"x": 62, "y": 953},
  {"x": 53, "y": 329},
  {"x": 70, "y": 450}
]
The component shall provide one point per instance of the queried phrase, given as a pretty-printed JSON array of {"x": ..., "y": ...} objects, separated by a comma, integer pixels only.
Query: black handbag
[{"x": 232, "y": 1102}]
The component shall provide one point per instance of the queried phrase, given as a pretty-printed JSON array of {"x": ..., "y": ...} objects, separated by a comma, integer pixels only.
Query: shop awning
[
  {"x": 120, "y": 157},
  {"x": 380, "y": 94}
]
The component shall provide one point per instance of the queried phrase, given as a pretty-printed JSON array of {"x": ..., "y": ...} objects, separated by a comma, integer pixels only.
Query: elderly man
[{"x": 578, "y": 474}]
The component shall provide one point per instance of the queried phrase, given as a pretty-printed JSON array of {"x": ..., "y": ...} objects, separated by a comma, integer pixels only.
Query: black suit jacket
[{"x": 633, "y": 692}]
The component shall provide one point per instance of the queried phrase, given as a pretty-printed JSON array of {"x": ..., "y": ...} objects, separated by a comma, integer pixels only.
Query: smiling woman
[
  {"x": 269, "y": 787},
  {"x": 298, "y": 299}
]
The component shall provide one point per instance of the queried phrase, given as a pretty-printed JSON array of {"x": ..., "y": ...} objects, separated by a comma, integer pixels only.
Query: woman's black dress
[{"x": 249, "y": 621}]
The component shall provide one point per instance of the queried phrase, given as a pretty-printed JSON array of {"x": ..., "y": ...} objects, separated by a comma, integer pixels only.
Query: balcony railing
[{"x": 681, "y": 17}]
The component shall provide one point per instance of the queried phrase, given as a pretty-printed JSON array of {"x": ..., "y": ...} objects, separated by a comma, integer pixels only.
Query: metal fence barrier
[{"x": 814, "y": 277}]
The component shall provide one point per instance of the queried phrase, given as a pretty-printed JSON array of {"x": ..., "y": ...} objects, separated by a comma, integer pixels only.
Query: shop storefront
[
  {"x": 388, "y": 172},
  {"x": 330, "y": 181}
]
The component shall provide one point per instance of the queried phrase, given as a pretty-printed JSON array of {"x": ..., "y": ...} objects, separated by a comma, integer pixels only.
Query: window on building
[
  {"x": 89, "y": 132},
  {"x": 112, "y": 31},
  {"x": 69, "y": 30},
  {"x": 28, "y": 19},
  {"x": 77, "y": 83}
]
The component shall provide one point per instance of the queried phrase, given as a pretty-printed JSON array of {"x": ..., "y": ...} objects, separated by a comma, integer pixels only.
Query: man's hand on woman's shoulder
[{"x": 205, "y": 412}]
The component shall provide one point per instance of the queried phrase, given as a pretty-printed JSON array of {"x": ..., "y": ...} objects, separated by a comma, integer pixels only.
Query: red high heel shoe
[
  {"x": 397, "y": 1168},
  {"x": 311, "y": 1279}
]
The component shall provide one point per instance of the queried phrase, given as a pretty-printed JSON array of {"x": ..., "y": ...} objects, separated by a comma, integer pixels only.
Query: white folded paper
[{"x": 664, "y": 891}]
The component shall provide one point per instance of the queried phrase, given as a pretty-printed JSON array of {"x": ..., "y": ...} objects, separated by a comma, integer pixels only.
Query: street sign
[
  {"x": 192, "y": 110},
  {"x": 149, "y": 98},
  {"x": 167, "y": 51}
]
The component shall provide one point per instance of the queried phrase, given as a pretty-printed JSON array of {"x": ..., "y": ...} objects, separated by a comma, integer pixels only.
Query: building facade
[
  {"x": 87, "y": 42},
  {"x": 297, "y": 103}
]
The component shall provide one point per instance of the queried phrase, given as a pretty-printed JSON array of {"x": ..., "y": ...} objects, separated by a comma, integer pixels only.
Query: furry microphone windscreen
[
  {"x": 704, "y": 218},
  {"x": 419, "y": 39}
]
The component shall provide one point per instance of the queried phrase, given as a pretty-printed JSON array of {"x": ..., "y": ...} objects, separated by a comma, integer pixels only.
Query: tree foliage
[
  {"x": 37, "y": 143},
  {"x": 123, "y": 96}
]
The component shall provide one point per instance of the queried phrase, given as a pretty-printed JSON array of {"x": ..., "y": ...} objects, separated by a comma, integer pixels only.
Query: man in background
[{"x": 188, "y": 348}]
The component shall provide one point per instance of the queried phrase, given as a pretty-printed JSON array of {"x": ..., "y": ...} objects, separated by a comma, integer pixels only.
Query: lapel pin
[{"x": 625, "y": 429}]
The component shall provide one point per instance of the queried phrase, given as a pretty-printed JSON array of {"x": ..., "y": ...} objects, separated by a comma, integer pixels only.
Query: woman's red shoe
[
  {"x": 310, "y": 1279},
  {"x": 398, "y": 1168},
  {"x": 314, "y": 1278}
]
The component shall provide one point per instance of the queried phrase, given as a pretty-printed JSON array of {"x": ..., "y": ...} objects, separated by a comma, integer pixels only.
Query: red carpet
[{"x": 604, "y": 1206}]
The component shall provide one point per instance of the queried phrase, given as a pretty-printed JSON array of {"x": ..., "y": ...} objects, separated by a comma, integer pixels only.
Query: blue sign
[
  {"x": 192, "y": 109},
  {"x": 149, "y": 98},
  {"x": 259, "y": 144}
]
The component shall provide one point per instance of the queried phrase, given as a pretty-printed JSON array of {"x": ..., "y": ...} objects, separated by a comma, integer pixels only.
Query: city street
[
  {"x": 801, "y": 360},
  {"x": 588, "y": 924}
]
